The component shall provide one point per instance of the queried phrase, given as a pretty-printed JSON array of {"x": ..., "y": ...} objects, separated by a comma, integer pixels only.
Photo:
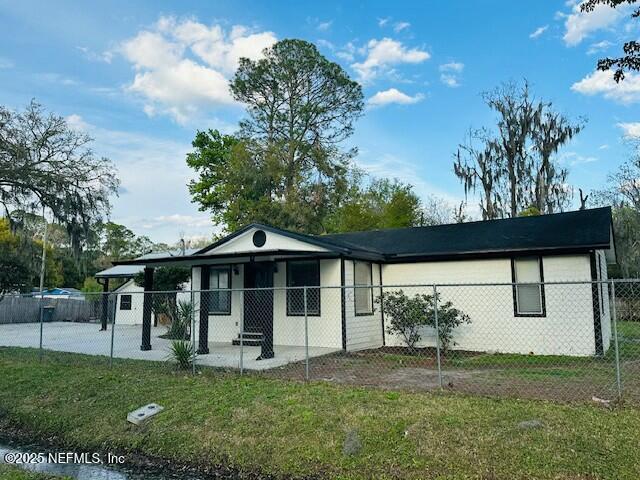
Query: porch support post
[
  {"x": 203, "y": 334},
  {"x": 104, "y": 298},
  {"x": 147, "y": 302}
]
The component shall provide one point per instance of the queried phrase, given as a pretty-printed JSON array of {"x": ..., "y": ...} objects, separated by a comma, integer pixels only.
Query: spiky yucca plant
[{"x": 182, "y": 353}]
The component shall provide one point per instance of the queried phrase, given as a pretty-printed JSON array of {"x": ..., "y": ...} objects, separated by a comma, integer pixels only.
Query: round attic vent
[{"x": 259, "y": 238}]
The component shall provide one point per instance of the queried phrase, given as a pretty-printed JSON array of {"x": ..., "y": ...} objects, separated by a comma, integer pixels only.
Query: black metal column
[
  {"x": 104, "y": 314},
  {"x": 146, "y": 309},
  {"x": 203, "y": 336}
]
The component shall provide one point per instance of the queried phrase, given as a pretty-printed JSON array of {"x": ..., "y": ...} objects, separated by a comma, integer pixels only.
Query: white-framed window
[
  {"x": 528, "y": 291},
  {"x": 219, "y": 301},
  {"x": 363, "y": 275}
]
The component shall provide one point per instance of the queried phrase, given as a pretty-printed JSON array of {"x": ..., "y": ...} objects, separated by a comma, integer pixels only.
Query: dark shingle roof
[{"x": 581, "y": 229}]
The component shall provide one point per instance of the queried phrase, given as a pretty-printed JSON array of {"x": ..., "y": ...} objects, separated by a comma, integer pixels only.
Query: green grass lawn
[
  {"x": 284, "y": 428},
  {"x": 9, "y": 472}
]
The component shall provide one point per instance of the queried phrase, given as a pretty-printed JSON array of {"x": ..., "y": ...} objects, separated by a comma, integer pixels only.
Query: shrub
[
  {"x": 182, "y": 353},
  {"x": 408, "y": 315},
  {"x": 180, "y": 314}
]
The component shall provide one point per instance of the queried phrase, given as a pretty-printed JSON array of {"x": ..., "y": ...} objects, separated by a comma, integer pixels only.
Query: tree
[
  {"x": 15, "y": 274},
  {"x": 286, "y": 166},
  {"x": 45, "y": 163},
  {"x": 515, "y": 167},
  {"x": 120, "y": 242},
  {"x": 382, "y": 204},
  {"x": 166, "y": 279},
  {"x": 551, "y": 131},
  {"x": 480, "y": 167},
  {"x": 408, "y": 316},
  {"x": 623, "y": 194},
  {"x": 437, "y": 211},
  {"x": 20, "y": 258},
  {"x": 631, "y": 59}
]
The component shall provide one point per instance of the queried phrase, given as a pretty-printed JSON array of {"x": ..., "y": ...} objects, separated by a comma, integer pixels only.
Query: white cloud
[
  {"x": 598, "y": 82},
  {"x": 393, "y": 95},
  {"x": 382, "y": 54},
  {"x": 630, "y": 129},
  {"x": 57, "y": 78},
  {"x": 573, "y": 158},
  {"x": 599, "y": 47},
  {"x": 383, "y": 21},
  {"x": 190, "y": 221},
  {"x": 183, "y": 67},
  {"x": 106, "y": 56},
  {"x": 154, "y": 198},
  {"x": 456, "y": 67},
  {"x": 579, "y": 25},
  {"x": 538, "y": 31},
  {"x": 449, "y": 80},
  {"x": 76, "y": 122},
  {"x": 324, "y": 26},
  {"x": 321, "y": 42},
  {"x": 450, "y": 73},
  {"x": 604, "y": 146},
  {"x": 399, "y": 26},
  {"x": 347, "y": 53}
]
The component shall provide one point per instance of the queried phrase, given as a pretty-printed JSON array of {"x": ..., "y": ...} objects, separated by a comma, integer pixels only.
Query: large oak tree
[{"x": 44, "y": 163}]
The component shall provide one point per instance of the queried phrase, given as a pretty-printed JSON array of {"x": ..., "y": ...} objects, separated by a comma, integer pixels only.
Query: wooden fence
[{"x": 18, "y": 309}]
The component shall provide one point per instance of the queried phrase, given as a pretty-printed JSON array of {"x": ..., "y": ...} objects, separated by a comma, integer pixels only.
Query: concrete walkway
[{"x": 86, "y": 338}]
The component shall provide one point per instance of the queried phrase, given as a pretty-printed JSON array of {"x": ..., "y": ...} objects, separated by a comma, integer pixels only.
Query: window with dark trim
[
  {"x": 301, "y": 273},
  {"x": 219, "y": 301},
  {"x": 363, "y": 297},
  {"x": 125, "y": 302},
  {"x": 528, "y": 291}
]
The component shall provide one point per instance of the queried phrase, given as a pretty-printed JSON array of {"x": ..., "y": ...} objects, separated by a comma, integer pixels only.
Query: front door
[{"x": 258, "y": 304}]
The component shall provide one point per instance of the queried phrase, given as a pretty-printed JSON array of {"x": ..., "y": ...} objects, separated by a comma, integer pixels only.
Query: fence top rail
[{"x": 97, "y": 295}]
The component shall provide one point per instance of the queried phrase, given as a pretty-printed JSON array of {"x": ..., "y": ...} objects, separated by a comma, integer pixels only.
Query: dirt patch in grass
[{"x": 520, "y": 376}]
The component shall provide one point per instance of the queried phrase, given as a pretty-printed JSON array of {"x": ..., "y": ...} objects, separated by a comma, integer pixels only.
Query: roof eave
[{"x": 279, "y": 231}]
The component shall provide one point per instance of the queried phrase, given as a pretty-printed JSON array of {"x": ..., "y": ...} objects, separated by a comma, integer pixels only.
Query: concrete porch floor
[{"x": 87, "y": 339}]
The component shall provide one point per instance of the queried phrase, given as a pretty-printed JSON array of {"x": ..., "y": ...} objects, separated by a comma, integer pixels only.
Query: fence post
[
  {"x": 306, "y": 336},
  {"x": 41, "y": 353},
  {"x": 114, "y": 307},
  {"x": 615, "y": 339},
  {"x": 435, "y": 318},
  {"x": 241, "y": 335},
  {"x": 193, "y": 329}
]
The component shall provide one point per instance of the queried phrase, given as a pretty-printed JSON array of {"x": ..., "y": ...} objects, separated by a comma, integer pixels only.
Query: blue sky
[{"x": 142, "y": 77}]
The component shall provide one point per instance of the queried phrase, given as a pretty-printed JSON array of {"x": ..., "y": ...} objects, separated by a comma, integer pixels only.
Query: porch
[{"x": 86, "y": 338}]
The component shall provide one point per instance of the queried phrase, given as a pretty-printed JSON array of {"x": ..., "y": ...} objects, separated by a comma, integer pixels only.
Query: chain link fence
[{"x": 564, "y": 341}]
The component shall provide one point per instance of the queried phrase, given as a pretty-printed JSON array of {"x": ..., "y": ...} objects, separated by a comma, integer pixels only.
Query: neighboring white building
[
  {"x": 521, "y": 315},
  {"x": 129, "y": 301},
  {"x": 129, "y": 297}
]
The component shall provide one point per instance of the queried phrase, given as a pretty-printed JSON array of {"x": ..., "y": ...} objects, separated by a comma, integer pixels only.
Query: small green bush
[
  {"x": 408, "y": 315},
  {"x": 182, "y": 353}
]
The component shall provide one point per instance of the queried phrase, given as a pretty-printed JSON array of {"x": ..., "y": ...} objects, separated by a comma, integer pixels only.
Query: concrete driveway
[{"x": 86, "y": 338}]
